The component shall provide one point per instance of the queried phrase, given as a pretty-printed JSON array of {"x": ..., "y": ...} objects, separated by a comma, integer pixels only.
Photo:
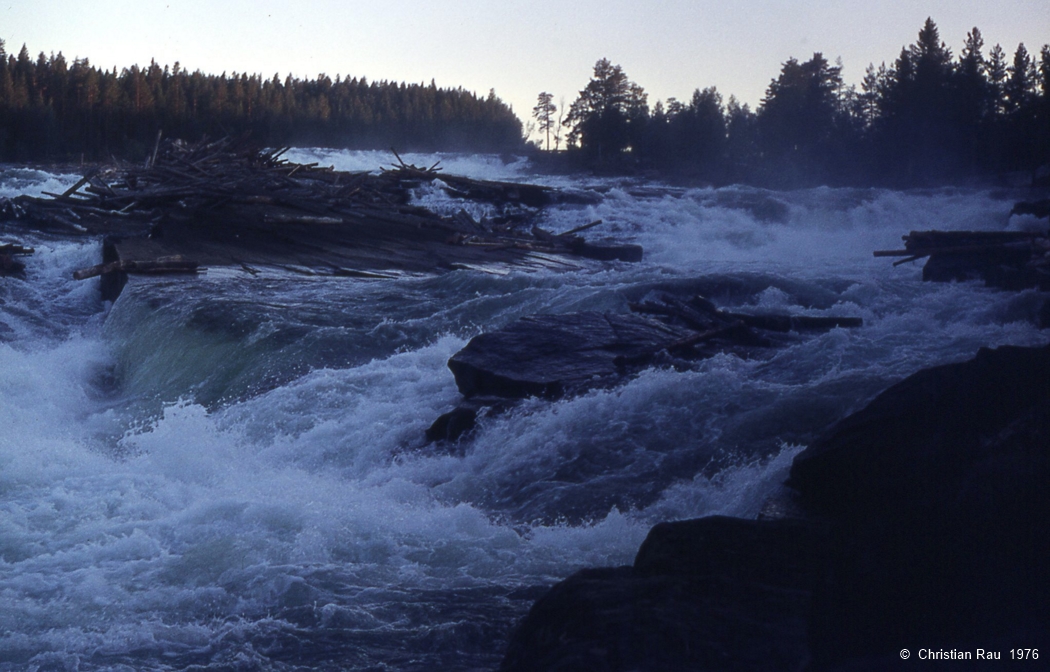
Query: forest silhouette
[
  {"x": 926, "y": 118},
  {"x": 54, "y": 110}
]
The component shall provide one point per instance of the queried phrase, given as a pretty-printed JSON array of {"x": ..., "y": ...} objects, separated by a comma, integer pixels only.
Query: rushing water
[{"x": 229, "y": 471}]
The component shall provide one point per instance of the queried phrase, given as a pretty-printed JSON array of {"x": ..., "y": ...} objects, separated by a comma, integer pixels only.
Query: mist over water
[{"x": 229, "y": 471}]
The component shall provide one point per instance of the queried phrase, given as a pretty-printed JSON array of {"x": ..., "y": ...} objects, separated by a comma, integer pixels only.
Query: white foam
[
  {"x": 16, "y": 181},
  {"x": 478, "y": 166}
]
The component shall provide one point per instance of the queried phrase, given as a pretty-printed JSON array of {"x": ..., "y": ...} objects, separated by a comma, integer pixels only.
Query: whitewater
[{"x": 228, "y": 472}]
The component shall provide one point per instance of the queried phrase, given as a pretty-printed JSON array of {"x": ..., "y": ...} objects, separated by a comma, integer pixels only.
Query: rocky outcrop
[
  {"x": 938, "y": 490},
  {"x": 916, "y": 443},
  {"x": 924, "y": 523},
  {"x": 711, "y": 594},
  {"x": 552, "y": 356}
]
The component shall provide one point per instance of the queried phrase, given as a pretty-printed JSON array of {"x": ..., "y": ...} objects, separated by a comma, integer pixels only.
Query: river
[{"x": 228, "y": 472}]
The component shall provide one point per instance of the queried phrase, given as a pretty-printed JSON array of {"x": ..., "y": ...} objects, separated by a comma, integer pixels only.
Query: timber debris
[
  {"x": 228, "y": 203},
  {"x": 1006, "y": 259}
]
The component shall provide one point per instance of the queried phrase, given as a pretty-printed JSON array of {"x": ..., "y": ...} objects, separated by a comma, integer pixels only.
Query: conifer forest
[{"x": 927, "y": 117}]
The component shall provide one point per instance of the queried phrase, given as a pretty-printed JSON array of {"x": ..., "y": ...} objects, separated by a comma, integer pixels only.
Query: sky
[{"x": 669, "y": 47}]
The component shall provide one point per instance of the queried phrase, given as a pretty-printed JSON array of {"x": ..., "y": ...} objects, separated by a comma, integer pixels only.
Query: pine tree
[
  {"x": 798, "y": 116},
  {"x": 1021, "y": 83},
  {"x": 599, "y": 119},
  {"x": 544, "y": 115}
]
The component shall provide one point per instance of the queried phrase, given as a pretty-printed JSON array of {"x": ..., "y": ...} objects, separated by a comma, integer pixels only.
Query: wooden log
[
  {"x": 14, "y": 248},
  {"x": 894, "y": 253},
  {"x": 581, "y": 228},
  {"x": 84, "y": 180},
  {"x": 582, "y": 248}
]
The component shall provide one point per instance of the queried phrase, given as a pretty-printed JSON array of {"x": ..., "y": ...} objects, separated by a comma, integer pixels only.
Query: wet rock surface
[
  {"x": 923, "y": 521},
  {"x": 554, "y": 356}
]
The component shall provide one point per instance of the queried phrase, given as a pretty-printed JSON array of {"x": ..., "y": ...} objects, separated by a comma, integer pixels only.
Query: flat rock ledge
[
  {"x": 921, "y": 522},
  {"x": 555, "y": 356}
]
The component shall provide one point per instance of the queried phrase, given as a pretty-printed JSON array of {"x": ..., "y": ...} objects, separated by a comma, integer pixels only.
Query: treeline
[
  {"x": 51, "y": 109},
  {"x": 928, "y": 118}
]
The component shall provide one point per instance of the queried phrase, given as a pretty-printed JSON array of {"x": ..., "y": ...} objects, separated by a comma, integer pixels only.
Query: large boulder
[
  {"x": 938, "y": 490},
  {"x": 710, "y": 594},
  {"x": 925, "y": 523},
  {"x": 917, "y": 442},
  {"x": 553, "y": 355}
]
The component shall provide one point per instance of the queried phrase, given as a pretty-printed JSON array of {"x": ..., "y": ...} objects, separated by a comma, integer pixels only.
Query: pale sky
[{"x": 669, "y": 47}]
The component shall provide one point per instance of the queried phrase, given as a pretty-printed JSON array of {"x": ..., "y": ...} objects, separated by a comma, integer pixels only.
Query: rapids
[{"x": 229, "y": 471}]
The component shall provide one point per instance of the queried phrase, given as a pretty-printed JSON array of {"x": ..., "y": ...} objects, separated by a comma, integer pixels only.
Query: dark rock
[
  {"x": 939, "y": 491},
  {"x": 553, "y": 355},
  {"x": 461, "y": 421},
  {"x": 784, "y": 553},
  {"x": 453, "y": 425},
  {"x": 582, "y": 248},
  {"x": 1038, "y": 209},
  {"x": 926, "y": 525},
  {"x": 11, "y": 266},
  {"x": 689, "y": 603},
  {"x": 915, "y": 442}
]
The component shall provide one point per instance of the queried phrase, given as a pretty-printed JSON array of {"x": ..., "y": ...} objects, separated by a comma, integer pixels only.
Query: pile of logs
[
  {"x": 1006, "y": 259},
  {"x": 228, "y": 203}
]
